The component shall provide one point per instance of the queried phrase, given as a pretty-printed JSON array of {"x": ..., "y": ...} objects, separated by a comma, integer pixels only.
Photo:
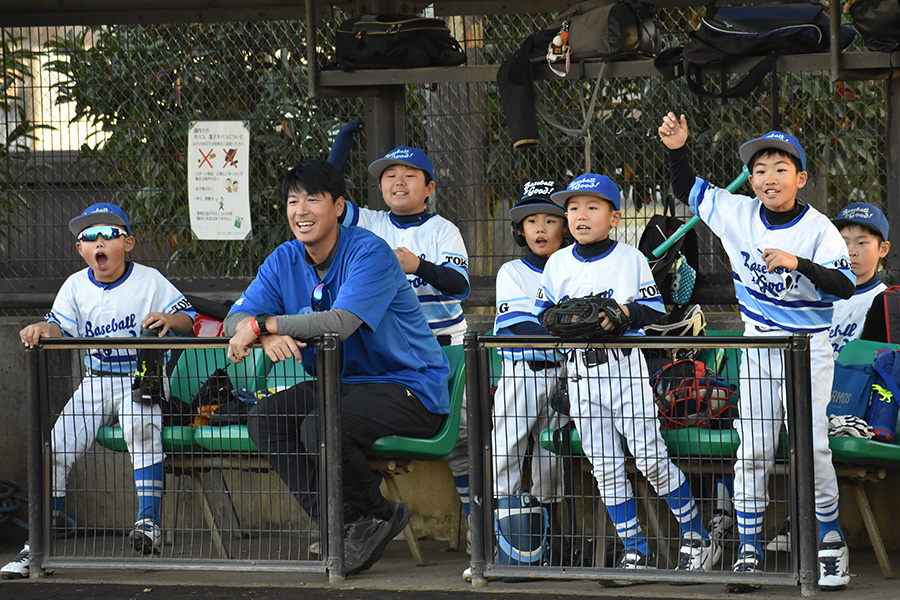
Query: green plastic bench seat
[
  {"x": 850, "y": 450},
  {"x": 193, "y": 368},
  {"x": 175, "y": 439},
  {"x": 689, "y": 442},
  {"x": 227, "y": 438},
  {"x": 440, "y": 445}
]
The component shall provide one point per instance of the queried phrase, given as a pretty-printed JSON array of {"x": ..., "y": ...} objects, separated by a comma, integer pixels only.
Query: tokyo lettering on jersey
[
  {"x": 434, "y": 239},
  {"x": 621, "y": 273},
  {"x": 517, "y": 285},
  {"x": 850, "y": 314},
  {"x": 85, "y": 307},
  {"x": 784, "y": 299}
]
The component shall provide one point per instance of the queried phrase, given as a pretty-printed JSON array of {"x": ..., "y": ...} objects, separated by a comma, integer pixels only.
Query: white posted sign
[{"x": 219, "y": 179}]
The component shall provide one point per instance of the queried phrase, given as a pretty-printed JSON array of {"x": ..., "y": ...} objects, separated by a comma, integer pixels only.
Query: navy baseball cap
[
  {"x": 865, "y": 215},
  {"x": 102, "y": 212},
  {"x": 775, "y": 140},
  {"x": 591, "y": 184},
  {"x": 403, "y": 155},
  {"x": 536, "y": 199}
]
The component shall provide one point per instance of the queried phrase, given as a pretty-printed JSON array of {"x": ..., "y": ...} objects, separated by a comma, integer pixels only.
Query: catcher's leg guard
[{"x": 520, "y": 528}]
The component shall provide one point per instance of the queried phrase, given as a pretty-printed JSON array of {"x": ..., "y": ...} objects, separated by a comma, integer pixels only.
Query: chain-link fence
[{"x": 102, "y": 113}]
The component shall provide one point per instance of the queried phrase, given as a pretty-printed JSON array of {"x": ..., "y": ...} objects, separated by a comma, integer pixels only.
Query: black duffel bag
[
  {"x": 395, "y": 42},
  {"x": 878, "y": 22},
  {"x": 731, "y": 32}
]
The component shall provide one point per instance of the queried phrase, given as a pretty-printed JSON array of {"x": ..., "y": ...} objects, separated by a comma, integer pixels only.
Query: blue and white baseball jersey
[
  {"x": 784, "y": 299},
  {"x": 434, "y": 239},
  {"x": 850, "y": 314},
  {"x": 621, "y": 273},
  {"x": 392, "y": 344},
  {"x": 517, "y": 285},
  {"x": 85, "y": 307}
]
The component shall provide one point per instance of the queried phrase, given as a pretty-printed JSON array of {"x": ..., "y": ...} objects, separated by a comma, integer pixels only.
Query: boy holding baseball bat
[{"x": 789, "y": 266}]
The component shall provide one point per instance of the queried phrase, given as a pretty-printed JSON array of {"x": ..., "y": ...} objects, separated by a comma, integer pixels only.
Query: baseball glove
[{"x": 580, "y": 318}]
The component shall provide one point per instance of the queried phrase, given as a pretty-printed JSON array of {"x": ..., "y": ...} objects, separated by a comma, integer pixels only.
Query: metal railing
[
  {"x": 587, "y": 547},
  {"x": 223, "y": 507}
]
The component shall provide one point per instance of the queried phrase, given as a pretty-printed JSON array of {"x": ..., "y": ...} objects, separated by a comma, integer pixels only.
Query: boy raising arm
[{"x": 768, "y": 239}]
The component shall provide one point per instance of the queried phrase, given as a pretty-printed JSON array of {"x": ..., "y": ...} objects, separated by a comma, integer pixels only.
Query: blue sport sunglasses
[
  {"x": 317, "y": 300},
  {"x": 107, "y": 231}
]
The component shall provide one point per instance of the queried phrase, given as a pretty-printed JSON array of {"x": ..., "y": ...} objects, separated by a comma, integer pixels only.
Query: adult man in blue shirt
[{"x": 394, "y": 375}]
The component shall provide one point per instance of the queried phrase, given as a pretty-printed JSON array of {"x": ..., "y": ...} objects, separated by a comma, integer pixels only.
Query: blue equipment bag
[
  {"x": 882, "y": 413},
  {"x": 851, "y": 390}
]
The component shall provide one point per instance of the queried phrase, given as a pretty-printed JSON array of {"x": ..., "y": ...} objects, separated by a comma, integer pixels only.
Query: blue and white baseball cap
[
  {"x": 591, "y": 184},
  {"x": 403, "y": 155},
  {"x": 536, "y": 199},
  {"x": 102, "y": 212},
  {"x": 776, "y": 140},
  {"x": 865, "y": 215}
]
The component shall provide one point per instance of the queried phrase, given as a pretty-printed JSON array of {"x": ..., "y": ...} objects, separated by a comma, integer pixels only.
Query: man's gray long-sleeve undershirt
[{"x": 305, "y": 326}]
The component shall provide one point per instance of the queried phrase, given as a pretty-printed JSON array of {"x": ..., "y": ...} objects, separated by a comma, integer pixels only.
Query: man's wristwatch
[{"x": 258, "y": 324}]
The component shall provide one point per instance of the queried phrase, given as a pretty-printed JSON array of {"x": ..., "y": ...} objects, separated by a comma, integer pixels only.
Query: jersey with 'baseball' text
[
  {"x": 434, "y": 239},
  {"x": 85, "y": 307},
  {"x": 850, "y": 314},
  {"x": 621, "y": 273},
  {"x": 784, "y": 299}
]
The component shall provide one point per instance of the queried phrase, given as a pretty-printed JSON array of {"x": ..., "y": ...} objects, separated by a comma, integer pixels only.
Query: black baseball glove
[{"x": 580, "y": 318}]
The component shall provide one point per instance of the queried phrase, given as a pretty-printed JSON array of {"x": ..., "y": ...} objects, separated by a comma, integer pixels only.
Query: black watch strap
[{"x": 261, "y": 322}]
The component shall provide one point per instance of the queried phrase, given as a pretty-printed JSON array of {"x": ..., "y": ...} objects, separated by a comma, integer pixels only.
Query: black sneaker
[{"x": 366, "y": 539}]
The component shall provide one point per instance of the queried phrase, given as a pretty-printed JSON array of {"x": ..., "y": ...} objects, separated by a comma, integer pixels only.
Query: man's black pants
[{"x": 284, "y": 427}]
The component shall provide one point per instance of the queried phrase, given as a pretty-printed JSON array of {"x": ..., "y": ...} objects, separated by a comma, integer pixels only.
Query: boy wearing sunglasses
[
  {"x": 335, "y": 278},
  {"x": 112, "y": 297},
  {"x": 790, "y": 265}
]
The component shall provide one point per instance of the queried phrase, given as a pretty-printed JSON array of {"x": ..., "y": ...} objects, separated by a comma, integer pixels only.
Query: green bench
[{"x": 184, "y": 448}]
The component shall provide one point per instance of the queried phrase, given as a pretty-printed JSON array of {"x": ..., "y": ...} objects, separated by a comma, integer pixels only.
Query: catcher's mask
[
  {"x": 535, "y": 199},
  {"x": 690, "y": 394},
  {"x": 520, "y": 528}
]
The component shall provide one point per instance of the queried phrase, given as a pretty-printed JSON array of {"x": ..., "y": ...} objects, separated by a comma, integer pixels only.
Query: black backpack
[
  {"x": 767, "y": 30},
  {"x": 395, "y": 42},
  {"x": 878, "y": 22},
  {"x": 882, "y": 322},
  {"x": 659, "y": 228}
]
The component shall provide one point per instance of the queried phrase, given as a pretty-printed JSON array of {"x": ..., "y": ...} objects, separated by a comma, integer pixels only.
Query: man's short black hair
[
  {"x": 314, "y": 177},
  {"x": 775, "y": 152}
]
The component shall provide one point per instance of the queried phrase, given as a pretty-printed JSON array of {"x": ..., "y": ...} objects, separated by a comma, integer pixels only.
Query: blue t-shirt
[{"x": 393, "y": 344}]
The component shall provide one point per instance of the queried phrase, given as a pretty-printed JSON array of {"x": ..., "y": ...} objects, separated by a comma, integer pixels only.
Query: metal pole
[
  {"x": 803, "y": 480},
  {"x": 36, "y": 463},
  {"x": 892, "y": 193},
  {"x": 476, "y": 457},
  {"x": 312, "y": 59},
  {"x": 329, "y": 365}
]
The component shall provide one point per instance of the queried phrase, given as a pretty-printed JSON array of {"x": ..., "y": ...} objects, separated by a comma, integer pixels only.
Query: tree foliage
[{"x": 141, "y": 87}]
